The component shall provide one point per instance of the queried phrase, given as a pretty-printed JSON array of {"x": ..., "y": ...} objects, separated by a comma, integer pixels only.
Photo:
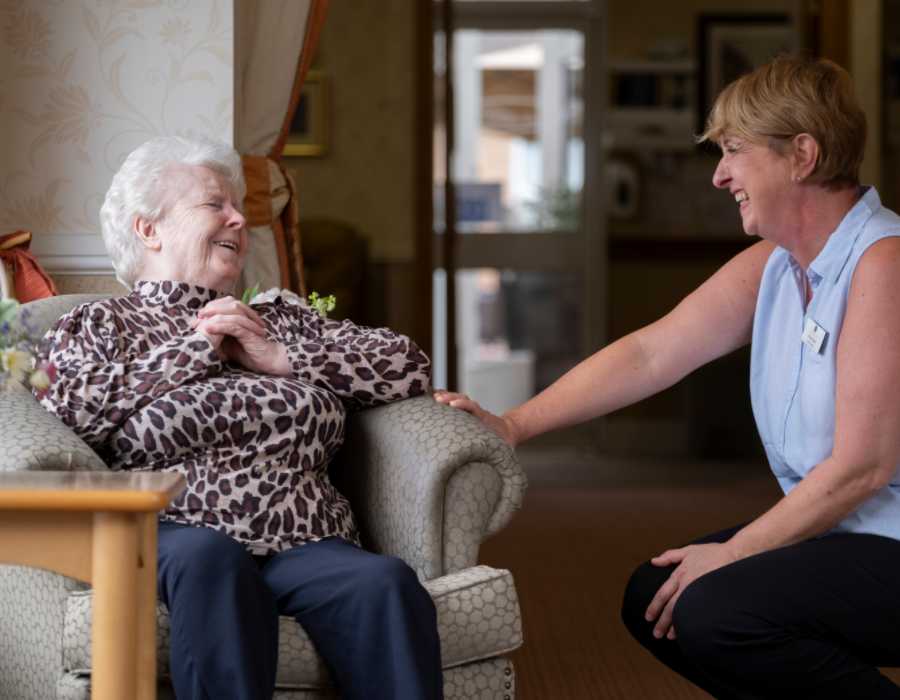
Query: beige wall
[
  {"x": 366, "y": 179},
  {"x": 82, "y": 84},
  {"x": 866, "y": 59}
]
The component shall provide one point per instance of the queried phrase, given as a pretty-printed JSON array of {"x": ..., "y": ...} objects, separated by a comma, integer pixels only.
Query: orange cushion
[{"x": 29, "y": 280}]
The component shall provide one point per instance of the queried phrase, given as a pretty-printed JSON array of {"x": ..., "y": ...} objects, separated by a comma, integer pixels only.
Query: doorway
[{"x": 519, "y": 290}]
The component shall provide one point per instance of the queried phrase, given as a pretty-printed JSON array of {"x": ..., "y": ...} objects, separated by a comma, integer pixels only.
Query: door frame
[{"x": 584, "y": 251}]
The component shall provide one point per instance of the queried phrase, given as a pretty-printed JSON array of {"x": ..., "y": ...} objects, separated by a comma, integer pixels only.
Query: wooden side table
[{"x": 101, "y": 528}]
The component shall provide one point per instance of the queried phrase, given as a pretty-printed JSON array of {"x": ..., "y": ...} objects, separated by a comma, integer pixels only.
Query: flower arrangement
[{"x": 17, "y": 349}]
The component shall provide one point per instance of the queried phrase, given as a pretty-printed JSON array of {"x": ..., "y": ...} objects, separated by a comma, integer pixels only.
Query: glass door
[{"x": 524, "y": 254}]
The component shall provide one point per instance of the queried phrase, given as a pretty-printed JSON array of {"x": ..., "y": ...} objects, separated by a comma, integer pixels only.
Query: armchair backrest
[
  {"x": 31, "y": 437},
  {"x": 43, "y": 313}
]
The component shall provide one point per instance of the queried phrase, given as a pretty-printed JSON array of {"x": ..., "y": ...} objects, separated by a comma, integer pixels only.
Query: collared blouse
[
  {"x": 147, "y": 392},
  {"x": 793, "y": 366}
]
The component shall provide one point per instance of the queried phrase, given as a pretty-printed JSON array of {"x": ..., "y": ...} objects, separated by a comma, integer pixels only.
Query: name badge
[{"x": 814, "y": 336}]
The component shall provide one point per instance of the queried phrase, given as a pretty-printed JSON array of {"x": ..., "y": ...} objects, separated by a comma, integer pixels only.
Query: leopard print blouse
[{"x": 148, "y": 393}]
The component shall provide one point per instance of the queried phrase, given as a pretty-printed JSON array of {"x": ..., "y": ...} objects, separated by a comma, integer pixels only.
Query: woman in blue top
[{"x": 804, "y": 601}]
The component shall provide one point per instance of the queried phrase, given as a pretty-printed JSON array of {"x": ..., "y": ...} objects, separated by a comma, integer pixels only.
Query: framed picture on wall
[
  {"x": 728, "y": 46},
  {"x": 309, "y": 127}
]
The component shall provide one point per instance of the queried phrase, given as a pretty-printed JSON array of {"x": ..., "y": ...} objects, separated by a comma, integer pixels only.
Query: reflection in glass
[
  {"x": 517, "y": 332},
  {"x": 518, "y": 161}
]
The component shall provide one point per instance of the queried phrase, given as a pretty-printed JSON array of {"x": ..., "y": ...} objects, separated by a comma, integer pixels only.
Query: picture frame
[
  {"x": 731, "y": 45},
  {"x": 309, "y": 133}
]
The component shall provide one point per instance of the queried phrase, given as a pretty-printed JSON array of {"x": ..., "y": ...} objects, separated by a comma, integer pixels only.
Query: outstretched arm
[{"x": 710, "y": 322}]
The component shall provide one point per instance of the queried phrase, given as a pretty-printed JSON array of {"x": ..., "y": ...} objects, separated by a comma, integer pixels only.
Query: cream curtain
[{"x": 274, "y": 44}]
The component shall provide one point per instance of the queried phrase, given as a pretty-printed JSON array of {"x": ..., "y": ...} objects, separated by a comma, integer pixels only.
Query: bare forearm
[
  {"x": 710, "y": 322},
  {"x": 819, "y": 502},
  {"x": 619, "y": 375}
]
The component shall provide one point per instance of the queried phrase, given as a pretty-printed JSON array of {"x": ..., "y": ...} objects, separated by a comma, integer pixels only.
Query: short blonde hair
[{"x": 796, "y": 95}]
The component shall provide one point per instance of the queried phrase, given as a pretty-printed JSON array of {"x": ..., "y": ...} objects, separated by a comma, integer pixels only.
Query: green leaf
[{"x": 248, "y": 294}]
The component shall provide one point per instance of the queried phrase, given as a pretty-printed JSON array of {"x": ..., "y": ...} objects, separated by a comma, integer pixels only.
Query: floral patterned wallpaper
[{"x": 82, "y": 82}]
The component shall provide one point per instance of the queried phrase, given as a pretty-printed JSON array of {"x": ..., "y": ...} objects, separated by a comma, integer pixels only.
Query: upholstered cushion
[
  {"x": 34, "y": 439},
  {"x": 478, "y": 618},
  {"x": 478, "y": 614},
  {"x": 45, "y": 312}
]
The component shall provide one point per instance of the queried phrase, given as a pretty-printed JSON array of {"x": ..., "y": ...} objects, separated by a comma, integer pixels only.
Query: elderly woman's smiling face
[{"x": 201, "y": 236}]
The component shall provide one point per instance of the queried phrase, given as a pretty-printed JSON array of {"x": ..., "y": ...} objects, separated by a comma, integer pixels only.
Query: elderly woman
[
  {"x": 803, "y": 601},
  {"x": 248, "y": 403}
]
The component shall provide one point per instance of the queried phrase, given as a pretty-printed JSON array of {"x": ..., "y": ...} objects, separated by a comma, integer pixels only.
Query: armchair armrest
[
  {"x": 409, "y": 466},
  {"x": 34, "y": 439}
]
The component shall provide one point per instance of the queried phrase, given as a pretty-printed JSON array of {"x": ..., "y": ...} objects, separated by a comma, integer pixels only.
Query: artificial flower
[
  {"x": 15, "y": 362},
  {"x": 39, "y": 380},
  {"x": 17, "y": 342}
]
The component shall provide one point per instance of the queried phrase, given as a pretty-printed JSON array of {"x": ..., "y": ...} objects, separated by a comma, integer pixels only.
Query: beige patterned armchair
[{"x": 428, "y": 484}]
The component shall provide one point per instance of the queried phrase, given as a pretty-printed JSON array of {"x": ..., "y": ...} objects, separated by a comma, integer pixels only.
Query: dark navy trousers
[
  {"x": 811, "y": 620},
  {"x": 367, "y": 615}
]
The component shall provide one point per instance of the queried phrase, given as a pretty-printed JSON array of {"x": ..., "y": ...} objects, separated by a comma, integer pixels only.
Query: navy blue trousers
[
  {"x": 367, "y": 615},
  {"x": 810, "y": 620}
]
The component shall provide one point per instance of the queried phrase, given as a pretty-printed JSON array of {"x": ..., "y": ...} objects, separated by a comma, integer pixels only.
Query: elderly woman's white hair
[{"x": 139, "y": 188}]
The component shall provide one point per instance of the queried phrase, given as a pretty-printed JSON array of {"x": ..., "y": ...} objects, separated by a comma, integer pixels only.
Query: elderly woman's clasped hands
[{"x": 239, "y": 335}]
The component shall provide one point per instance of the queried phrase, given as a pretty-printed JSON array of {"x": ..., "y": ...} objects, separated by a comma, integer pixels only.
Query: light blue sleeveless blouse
[{"x": 791, "y": 385}]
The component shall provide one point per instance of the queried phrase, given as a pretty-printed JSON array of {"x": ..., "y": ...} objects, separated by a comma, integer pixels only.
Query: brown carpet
[{"x": 572, "y": 548}]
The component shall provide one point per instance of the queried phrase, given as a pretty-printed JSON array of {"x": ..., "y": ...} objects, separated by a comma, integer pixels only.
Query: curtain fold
[
  {"x": 270, "y": 66},
  {"x": 265, "y": 202},
  {"x": 314, "y": 24}
]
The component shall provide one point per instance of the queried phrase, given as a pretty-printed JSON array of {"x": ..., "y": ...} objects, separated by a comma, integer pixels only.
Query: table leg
[
  {"x": 114, "y": 633},
  {"x": 146, "y": 608}
]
